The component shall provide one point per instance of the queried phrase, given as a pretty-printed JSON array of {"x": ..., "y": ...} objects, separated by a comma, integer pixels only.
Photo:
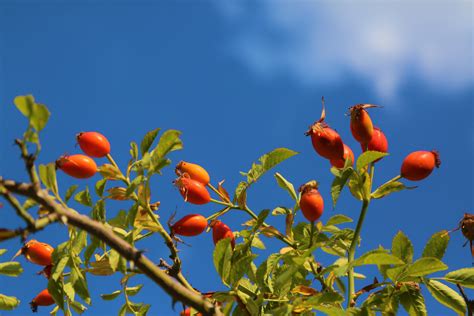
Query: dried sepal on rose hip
[
  {"x": 195, "y": 171},
  {"x": 190, "y": 225},
  {"x": 46, "y": 271},
  {"x": 42, "y": 299},
  {"x": 36, "y": 252},
  {"x": 361, "y": 124},
  {"x": 340, "y": 162},
  {"x": 93, "y": 144},
  {"x": 77, "y": 166},
  {"x": 326, "y": 141},
  {"x": 419, "y": 164},
  {"x": 221, "y": 231},
  {"x": 311, "y": 201},
  {"x": 192, "y": 191}
]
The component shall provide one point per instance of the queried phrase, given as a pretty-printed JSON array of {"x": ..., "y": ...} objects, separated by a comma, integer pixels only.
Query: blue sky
[{"x": 240, "y": 79}]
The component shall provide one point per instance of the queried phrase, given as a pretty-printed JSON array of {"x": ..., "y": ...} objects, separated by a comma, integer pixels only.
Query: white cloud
[{"x": 384, "y": 42}]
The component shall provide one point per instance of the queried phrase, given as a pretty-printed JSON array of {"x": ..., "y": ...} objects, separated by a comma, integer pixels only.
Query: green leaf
[
  {"x": 110, "y": 172},
  {"x": 355, "y": 186},
  {"x": 100, "y": 187},
  {"x": 8, "y": 303},
  {"x": 148, "y": 140},
  {"x": 222, "y": 259},
  {"x": 79, "y": 243},
  {"x": 368, "y": 157},
  {"x": 70, "y": 192},
  {"x": 11, "y": 268},
  {"x": 134, "y": 184},
  {"x": 338, "y": 184},
  {"x": 55, "y": 288},
  {"x": 402, "y": 247},
  {"x": 37, "y": 114},
  {"x": 464, "y": 277},
  {"x": 424, "y": 266},
  {"x": 447, "y": 296},
  {"x": 169, "y": 141},
  {"x": 78, "y": 307},
  {"x": 111, "y": 296},
  {"x": 60, "y": 258},
  {"x": 114, "y": 258},
  {"x": 413, "y": 302},
  {"x": 84, "y": 197},
  {"x": 48, "y": 177},
  {"x": 285, "y": 184},
  {"x": 3, "y": 251},
  {"x": 281, "y": 211},
  {"x": 436, "y": 246},
  {"x": 377, "y": 257},
  {"x": 79, "y": 284},
  {"x": 338, "y": 219},
  {"x": 267, "y": 162},
  {"x": 133, "y": 290},
  {"x": 29, "y": 203},
  {"x": 389, "y": 188}
]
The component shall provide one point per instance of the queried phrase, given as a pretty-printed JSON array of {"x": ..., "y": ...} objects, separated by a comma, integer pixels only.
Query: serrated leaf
[
  {"x": 286, "y": 185},
  {"x": 70, "y": 191},
  {"x": 355, "y": 186},
  {"x": 464, "y": 277},
  {"x": 78, "y": 307},
  {"x": 110, "y": 172},
  {"x": 79, "y": 284},
  {"x": 389, "y": 188},
  {"x": 436, "y": 246},
  {"x": 413, "y": 302},
  {"x": 55, "y": 288},
  {"x": 378, "y": 258},
  {"x": 402, "y": 247},
  {"x": 338, "y": 184},
  {"x": 134, "y": 184},
  {"x": 447, "y": 296},
  {"x": 169, "y": 141},
  {"x": 79, "y": 243},
  {"x": 8, "y": 303},
  {"x": 48, "y": 177},
  {"x": 37, "y": 114},
  {"x": 222, "y": 258},
  {"x": 114, "y": 258},
  {"x": 11, "y": 268},
  {"x": 368, "y": 157},
  {"x": 100, "y": 187},
  {"x": 118, "y": 193},
  {"x": 111, "y": 296},
  {"x": 424, "y": 266},
  {"x": 148, "y": 140},
  {"x": 267, "y": 162},
  {"x": 338, "y": 219},
  {"x": 84, "y": 197}
]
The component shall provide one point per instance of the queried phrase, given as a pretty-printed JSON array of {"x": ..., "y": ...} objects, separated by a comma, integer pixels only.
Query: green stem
[
  {"x": 311, "y": 235},
  {"x": 213, "y": 188},
  {"x": 355, "y": 239}
]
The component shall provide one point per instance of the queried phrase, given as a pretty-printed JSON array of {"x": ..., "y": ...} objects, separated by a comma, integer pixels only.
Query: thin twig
[
  {"x": 30, "y": 221},
  {"x": 469, "y": 303}
]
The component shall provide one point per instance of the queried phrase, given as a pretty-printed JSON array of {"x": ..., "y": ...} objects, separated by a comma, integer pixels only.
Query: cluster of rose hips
[
  {"x": 39, "y": 253},
  {"x": 192, "y": 182},
  {"x": 328, "y": 144},
  {"x": 79, "y": 166}
]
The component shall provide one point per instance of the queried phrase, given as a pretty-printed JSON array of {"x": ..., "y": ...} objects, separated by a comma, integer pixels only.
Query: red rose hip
[
  {"x": 93, "y": 144},
  {"x": 311, "y": 202},
  {"x": 77, "y": 166},
  {"x": 190, "y": 225},
  {"x": 419, "y": 164}
]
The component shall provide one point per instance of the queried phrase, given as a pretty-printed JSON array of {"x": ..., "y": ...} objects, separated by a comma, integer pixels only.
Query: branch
[
  {"x": 29, "y": 160},
  {"x": 38, "y": 225},
  {"x": 20, "y": 211},
  {"x": 97, "y": 229},
  {"x": 469, "y": 303}
]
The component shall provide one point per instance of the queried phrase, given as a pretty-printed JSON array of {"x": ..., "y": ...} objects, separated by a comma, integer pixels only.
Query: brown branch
[
  {"x": 29, "y": 160},
  {"x": 366, "y": 289},
  {"x": 97, "y": 229},
  {"x": 469, "y": 303},
  {"x": 20, "y": 211}
]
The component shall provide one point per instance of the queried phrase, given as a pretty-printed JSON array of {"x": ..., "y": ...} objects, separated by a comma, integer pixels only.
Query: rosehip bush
[{"x": 290, "y": 280}]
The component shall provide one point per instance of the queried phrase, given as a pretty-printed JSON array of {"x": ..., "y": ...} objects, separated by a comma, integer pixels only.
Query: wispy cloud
[{"x": 385, "y": 43}]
